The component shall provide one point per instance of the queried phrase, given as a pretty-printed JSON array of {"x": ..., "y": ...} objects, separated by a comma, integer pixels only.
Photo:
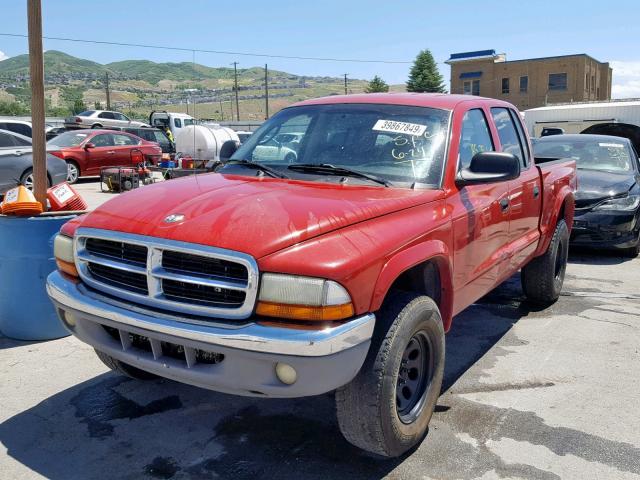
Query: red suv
[{"x": 87, "y": 151}]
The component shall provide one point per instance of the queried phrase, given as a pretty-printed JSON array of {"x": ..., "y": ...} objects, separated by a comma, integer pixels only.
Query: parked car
[
  {"x": 101, "y": 118},
  {"x": 87, "y": 151},
  {"x": 341, "y": 271},
  {"x": 276, "y": 147},
  {"x": 16, "y": 163},
  {"x": 24, "y": 128},
  {"x": 608, "y": 198},
  {"x": 153, "y": 135}
]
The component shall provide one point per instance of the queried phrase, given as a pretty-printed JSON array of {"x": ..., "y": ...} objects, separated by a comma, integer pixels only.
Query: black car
[
  {"x": 153, "y": 135},
  {"x": 607, "y": 211},
  {"x": 625, "y": 130}
]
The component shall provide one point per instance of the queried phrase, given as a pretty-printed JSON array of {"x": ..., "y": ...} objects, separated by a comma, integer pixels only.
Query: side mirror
[
  {"x": 227, "y": 149},
  {"x": 489, "y": 167},
  {"x": 89, "y": 145}
]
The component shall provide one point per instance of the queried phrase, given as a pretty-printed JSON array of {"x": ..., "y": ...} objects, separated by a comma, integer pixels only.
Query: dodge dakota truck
[{"x": 336, "y": 266}]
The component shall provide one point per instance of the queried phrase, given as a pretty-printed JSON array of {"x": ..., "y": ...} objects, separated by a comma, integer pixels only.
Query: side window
[
  {"x": 160, "y": 137},
  {"x": 6, "y": 140},
  {"x": 107, "y": 115},
  {"x": 121, "y": 140},
  {"x": 474, "y": 137},
  {"x": 515, "y": 116},
  {"x": 104, "y": 140},
  {"x": 21, "y": 142},
  {"x": 507, "y": 133},
  {"x": 120, "y": 116},
  {"x": 177, "y": 122},
  {"x": 20, "y": 128}
]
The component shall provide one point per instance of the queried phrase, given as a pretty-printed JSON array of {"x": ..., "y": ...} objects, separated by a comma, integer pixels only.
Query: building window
[
  {"x": 475, "y": 88},
  {"x": 598, "y": 92},
  {"x": 471, "y": 87},
  {"x": 524, "y": 84},
  {"x": 586, "y": 81},
  {"x": 557, "y": 81},
  {"x": 505, "y": 85},
  {"x": 593, "y": 82}
]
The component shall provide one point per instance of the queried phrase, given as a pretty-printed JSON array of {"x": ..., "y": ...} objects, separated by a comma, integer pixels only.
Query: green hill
[{"x": 55, "y": 62}]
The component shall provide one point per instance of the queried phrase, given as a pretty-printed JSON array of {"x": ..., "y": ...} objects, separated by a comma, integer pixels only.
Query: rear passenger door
[
  {"x": 480, "y": 223},
  {"x": 525, "y": 193},
  {"x": 123, "y": 145}
]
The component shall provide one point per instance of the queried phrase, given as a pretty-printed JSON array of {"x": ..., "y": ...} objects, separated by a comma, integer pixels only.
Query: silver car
[
  {"x": 100, "y": 119},
  {"x": 16, "y": 163}
]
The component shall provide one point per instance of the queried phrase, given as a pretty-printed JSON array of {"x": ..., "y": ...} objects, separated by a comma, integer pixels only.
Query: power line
[{"x": 221, "y": 52}]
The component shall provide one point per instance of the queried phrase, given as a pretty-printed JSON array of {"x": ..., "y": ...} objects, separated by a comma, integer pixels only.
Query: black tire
[
  {"x": 96, "y": 125},
  {"x": 290, "y": 158},
  {"x": 632, "y": 252},
  {"x": 367, "y": 407},
  {"x": 542, "y": 277},
  {"x": 124, "y": 368}
]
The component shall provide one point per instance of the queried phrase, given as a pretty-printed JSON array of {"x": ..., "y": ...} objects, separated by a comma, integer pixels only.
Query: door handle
[
  {"x": 111, "y": 152},
  {"x": 504, "y": 204},
  {"x": 536, "y": 191}
]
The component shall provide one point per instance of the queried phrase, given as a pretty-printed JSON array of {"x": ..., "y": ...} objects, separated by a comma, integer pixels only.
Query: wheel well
[
  {"x": 423, "y": 278},
  {"x": 30, "y": 169},
  {"x": 75, "y": 162}
]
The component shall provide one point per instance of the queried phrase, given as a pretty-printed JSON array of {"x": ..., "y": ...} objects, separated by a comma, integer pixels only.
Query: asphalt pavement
[{"x": 528, "y": 394}]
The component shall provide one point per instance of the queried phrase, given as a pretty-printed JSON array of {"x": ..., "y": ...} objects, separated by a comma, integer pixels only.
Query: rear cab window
[{"x": 510, "y": 140}]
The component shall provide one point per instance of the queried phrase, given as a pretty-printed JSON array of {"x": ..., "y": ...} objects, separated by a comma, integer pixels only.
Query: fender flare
[
  {"x": 431, "y": 250},
  {"x": 565, "y": 193}
]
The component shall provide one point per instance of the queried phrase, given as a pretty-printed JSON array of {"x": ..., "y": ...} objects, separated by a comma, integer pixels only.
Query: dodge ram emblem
[{"x": 173, "y": 218}]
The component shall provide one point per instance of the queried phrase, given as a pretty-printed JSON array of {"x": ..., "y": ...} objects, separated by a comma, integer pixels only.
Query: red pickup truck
[{"x": 334, "y": 263}]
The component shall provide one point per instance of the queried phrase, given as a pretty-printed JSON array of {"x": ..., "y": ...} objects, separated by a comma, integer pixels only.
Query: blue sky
[{"x": 341, "y": 29}]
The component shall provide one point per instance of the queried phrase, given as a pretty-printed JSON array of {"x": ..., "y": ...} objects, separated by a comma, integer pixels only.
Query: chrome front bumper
[{"x": 324, "y": 359}]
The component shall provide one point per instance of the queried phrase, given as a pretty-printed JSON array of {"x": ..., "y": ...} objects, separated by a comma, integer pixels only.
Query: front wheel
[
  {"x": 27, "y": 179},
  {"x": 542, "y": 277},
  {"x": 387, "y": 407}
]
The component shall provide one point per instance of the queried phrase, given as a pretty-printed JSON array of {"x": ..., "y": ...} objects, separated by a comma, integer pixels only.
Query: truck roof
[{"x": 434, "y": 100}]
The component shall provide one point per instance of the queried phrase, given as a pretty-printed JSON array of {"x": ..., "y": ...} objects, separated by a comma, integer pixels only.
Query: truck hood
[{"x": 254, "y": 215}]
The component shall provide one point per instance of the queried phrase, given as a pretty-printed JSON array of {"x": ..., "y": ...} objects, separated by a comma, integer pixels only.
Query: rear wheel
[
  {"x": 124, "y": 368},
  {"x": 542, "y": 277},
  {"x": 96, "y": 125},
  {"x": 73, "y": 171},
  {"x": 387, "y": 407},
  {"x": 27, "y": 179}
]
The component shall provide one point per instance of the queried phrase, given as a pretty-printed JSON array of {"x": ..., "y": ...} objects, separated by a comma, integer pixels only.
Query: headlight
[
  {"x": 63, "y": 251},
  {"x": 303, "y": 298},
  {"x": 627, "y": 203}
]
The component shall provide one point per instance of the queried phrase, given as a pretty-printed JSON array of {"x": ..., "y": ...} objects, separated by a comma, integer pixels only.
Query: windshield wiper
[
  {"x": 272, "y": 172},
  {"x": 336, "y": 170}
]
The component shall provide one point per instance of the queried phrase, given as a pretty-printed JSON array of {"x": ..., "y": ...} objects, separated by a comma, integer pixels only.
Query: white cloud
[
  {"x": 626, "y": 79},
  {"x": 3, "y": 56}
]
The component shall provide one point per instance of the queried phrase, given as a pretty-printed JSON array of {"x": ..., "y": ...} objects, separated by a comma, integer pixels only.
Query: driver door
[{"x": 103, "y": 154}]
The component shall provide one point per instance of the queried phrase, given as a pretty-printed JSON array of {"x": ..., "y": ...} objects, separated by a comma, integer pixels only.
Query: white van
[{"x": 175, "y": 121}]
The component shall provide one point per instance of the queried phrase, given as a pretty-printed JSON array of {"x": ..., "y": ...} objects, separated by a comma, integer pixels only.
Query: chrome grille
[{"x": 166, "y": 274}]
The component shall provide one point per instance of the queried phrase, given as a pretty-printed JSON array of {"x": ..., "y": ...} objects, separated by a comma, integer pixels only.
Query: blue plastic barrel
[{"x": 26, "y": 258}]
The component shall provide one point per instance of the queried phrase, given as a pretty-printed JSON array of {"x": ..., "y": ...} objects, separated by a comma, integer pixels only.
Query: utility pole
[
  {"x": 36, "y": 70},
  {"x": 235, "y": 76},
  {"x": 266, "y": 92},
  {"x": 345, "y": 83},
  {"x": 221, "y": 110},
  {"x": 108, "y": 94}
]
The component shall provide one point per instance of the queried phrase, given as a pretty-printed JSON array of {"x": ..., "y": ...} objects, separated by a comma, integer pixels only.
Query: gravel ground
[{"x": 528, "y": 394}]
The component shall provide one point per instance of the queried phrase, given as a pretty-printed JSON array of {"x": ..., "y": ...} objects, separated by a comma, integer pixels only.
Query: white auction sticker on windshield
[
  {"x": 399, "y": 127},
  {"x": 614, "y": 145}
]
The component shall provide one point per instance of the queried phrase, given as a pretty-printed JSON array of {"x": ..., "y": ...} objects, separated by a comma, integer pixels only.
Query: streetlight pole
[
  {"x": 36, "y": 71},
  {"x": 345, "y": 83}
]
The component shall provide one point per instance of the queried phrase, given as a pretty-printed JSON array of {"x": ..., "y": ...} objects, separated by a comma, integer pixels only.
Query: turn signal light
[
  {"x": 305, "y": 312},
  {"x": 66, "y": 267}
]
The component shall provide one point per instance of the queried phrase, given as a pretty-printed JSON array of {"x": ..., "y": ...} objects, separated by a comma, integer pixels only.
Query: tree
[
  {"x": 78, "y": 106},
  {"x": 424, "y": 75},
  {"x": 376, "y": 85},
  {"x": 97, "y": 105}
]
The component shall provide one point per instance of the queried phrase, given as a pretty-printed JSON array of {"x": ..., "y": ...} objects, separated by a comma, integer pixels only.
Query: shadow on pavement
[
  {"x": 586, "y": 256},
  {"x": 113, "y": 427}
]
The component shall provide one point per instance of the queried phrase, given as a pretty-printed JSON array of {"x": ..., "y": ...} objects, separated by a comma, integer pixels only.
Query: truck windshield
[{"x": 398, "y": 143}]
